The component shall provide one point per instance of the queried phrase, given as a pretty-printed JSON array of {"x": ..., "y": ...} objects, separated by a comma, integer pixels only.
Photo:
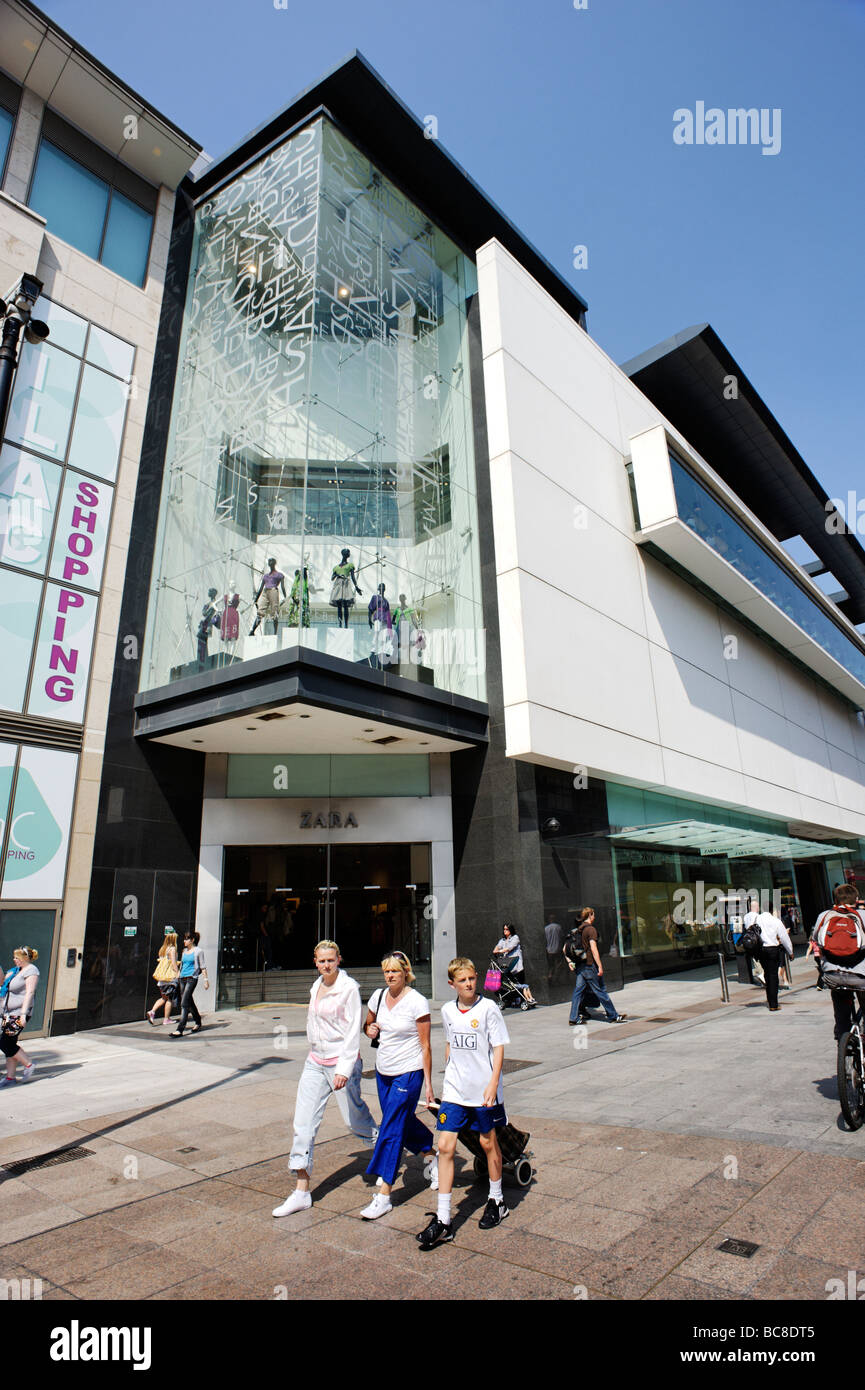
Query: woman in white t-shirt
[{"x": 399, "y": 1017}]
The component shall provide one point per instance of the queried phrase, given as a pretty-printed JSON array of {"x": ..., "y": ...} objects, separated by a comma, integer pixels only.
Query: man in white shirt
[{"x": 775, "y": 940}]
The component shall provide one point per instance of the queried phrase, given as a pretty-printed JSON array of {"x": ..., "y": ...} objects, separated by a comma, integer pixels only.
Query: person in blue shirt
[{"x": 191, "y": 967}]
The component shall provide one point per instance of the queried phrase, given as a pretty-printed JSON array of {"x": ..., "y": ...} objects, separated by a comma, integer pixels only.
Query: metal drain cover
[
  {"x": 745, "y": 1248},
  {"x": 49, "y": 1160}
]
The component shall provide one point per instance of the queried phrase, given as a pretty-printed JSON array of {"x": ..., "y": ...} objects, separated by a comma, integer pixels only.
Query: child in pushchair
[{"x": 510, "y": 994}]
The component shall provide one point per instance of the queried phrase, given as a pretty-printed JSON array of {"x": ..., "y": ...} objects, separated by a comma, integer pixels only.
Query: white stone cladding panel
[{"x": 610, "y": 660}]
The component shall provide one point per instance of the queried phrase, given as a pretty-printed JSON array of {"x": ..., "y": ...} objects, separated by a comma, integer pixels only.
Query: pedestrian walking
[
  {"x": 17, "y": 995},
  {"x": 398, "y": 1021},
  {"x": 775, "y": 942},
  {"x": 511, "y": 952},
  {"x": 165, "y": 975},
  {"x": 750, "y": 920},
  {"x": 554, "y": 937},
  {"x": 332, "y": 1065},
  {"x": 475, "y": 1035},
  {"x": 838, "y": 946},
  {"x": 192, "y": 967},
  {"x": 581, "y": 953}
]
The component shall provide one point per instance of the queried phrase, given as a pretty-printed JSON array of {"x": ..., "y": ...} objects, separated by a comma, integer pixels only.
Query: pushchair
[
  {"x": 513, "y": 1142},
  {"x": 511, "y": 995}
]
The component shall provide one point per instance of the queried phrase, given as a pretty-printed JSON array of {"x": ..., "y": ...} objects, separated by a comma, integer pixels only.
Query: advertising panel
[{"x": 35, "y": 862}]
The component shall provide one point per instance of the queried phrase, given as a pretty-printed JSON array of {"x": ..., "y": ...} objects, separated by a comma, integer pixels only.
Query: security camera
[{"x": 36, "y": 331}]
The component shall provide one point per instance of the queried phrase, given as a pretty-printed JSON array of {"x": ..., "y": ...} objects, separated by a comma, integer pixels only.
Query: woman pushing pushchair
[{"x": 508, "y": 956}]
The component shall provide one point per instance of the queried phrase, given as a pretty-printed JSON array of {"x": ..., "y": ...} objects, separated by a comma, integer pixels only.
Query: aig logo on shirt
[{"x": 468, "y": 1041}]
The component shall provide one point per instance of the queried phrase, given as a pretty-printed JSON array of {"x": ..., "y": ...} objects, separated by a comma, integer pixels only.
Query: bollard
[{"x": 722, "y": 968}]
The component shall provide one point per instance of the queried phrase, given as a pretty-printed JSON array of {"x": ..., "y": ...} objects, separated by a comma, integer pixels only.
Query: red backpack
[{"x": 841, "y": 937}]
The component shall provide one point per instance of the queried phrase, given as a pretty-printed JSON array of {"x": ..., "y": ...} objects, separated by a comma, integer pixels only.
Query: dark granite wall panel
[{"x": 149, "y": 818}]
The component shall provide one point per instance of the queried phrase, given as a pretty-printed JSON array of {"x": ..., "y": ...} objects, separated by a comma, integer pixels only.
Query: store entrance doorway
[{"x": 279, "y": 900}]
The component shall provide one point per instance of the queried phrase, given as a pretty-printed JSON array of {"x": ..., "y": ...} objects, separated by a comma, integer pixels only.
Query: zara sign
[{"x": 331, "y": 820}]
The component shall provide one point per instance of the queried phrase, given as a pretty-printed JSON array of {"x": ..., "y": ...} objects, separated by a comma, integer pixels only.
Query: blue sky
[{"x": 564, "y": 117}]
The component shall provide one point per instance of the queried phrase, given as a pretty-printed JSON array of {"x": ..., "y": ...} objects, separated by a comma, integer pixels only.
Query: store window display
[{"x": 322, "y": 409}]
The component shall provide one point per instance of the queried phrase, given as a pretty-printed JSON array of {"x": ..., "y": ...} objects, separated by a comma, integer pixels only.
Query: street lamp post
[{"x": 17, "y": 314}]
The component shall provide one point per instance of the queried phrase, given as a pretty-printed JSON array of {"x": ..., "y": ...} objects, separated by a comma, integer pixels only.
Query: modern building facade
[
  {"x": 433, "y": 616},
  {"x": 89, "y": 173}
]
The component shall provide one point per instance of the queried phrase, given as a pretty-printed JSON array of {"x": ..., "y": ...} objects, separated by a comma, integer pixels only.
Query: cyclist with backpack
[
  {"x": 581, "y": 952},
  {"x": 838, "y": 945}
]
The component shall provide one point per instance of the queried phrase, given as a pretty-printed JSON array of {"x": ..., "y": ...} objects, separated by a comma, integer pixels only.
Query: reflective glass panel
[
  {"x": 36, "y": 857},
  {"x": 99, "y": 419},
  {"x": 78, "y": 553},
  {"x": 33, "y": 927},
  {"x": 19, "y": 608},
  {"x": 104, "y": 350},
  {"x": 322, "y": 420},
  {"x": 7, "y": 121},
  {"x": 59, "y": 686},
  {"x": 28, "y": 494},
  {"x": 714, "y": 524},
  {"x": 40, "y": 412},
  {"x": 67, "y": 329},
  {"x": 71, "y": 199},
  {"x": 127, "y": 238}
]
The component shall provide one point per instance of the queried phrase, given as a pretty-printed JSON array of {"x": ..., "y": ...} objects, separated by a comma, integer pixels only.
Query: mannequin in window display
[
  {"x": 209, "y": 620},
  {"x": 382, "y": 629},
  {"x": 229, "y": 618},
  {"x": 267, "y": 597},
  {"x": 298, "y": 608},
  {"x": 343, "y": 589},
  {"x": 406, "y": 620}
]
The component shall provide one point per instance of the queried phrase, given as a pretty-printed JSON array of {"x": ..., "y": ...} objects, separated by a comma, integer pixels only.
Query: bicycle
[{"x": 851, "y": 1069}]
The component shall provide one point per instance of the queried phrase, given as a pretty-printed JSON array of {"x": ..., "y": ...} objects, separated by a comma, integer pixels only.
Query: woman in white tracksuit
[{"x": 333, "y": 1065}]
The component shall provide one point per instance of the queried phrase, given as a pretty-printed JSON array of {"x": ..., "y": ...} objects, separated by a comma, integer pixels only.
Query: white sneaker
[
  {"x": 27, "y": 1072},
  {"x": 379, "y": 1206},
  {"x": 298, "y": 1201},
  {"x": 434, "y": 1175}
]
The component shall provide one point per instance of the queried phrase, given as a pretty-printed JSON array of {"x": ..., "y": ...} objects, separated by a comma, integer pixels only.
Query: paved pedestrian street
[{"x": 652, "y": 1144}]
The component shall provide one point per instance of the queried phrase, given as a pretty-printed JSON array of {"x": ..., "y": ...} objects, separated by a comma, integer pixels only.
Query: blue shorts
[{"x": 479, "y": 1118}]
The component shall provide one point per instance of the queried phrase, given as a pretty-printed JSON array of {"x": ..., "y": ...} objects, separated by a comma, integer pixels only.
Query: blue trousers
[
  {"x": 588, "y": 975},
  {"x": 399, "y": 1127}
]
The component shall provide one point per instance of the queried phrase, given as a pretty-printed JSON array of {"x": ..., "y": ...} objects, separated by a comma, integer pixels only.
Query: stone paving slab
[{"x": 643, "y": 1221}]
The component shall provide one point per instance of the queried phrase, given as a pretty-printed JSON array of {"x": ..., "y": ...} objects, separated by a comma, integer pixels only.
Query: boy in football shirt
[{"x": 475, "y": 1035}]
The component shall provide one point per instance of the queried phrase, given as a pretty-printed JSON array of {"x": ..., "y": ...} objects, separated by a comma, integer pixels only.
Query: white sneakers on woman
[
  {"x": 379, "y": 1206},
  {"x": 298, "y": 1201}
]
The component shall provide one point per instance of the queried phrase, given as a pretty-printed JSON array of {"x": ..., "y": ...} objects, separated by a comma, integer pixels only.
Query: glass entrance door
[{"x": 279, "y": 900}]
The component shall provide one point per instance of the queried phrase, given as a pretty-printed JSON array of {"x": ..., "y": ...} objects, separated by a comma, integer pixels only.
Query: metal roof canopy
[
  {"x": 745, "y": 444},
  {"x": 730, "y": 840},
  {"x": 375, "y": 118},
  {"x": 41, "y": 56}
]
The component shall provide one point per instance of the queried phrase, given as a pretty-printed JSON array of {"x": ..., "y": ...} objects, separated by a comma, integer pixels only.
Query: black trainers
[
  {"x": 436, "y": 1233},
  {"x": 494, "y": 1214},
  {"x": 620, "y": 1018}
]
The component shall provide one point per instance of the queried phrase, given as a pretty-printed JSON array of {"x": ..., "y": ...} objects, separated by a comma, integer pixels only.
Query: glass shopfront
[
  {"x": 320, "y": 480},
  {"x": 279, "y": 900},
  {"x": 667, "y": 876}
]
